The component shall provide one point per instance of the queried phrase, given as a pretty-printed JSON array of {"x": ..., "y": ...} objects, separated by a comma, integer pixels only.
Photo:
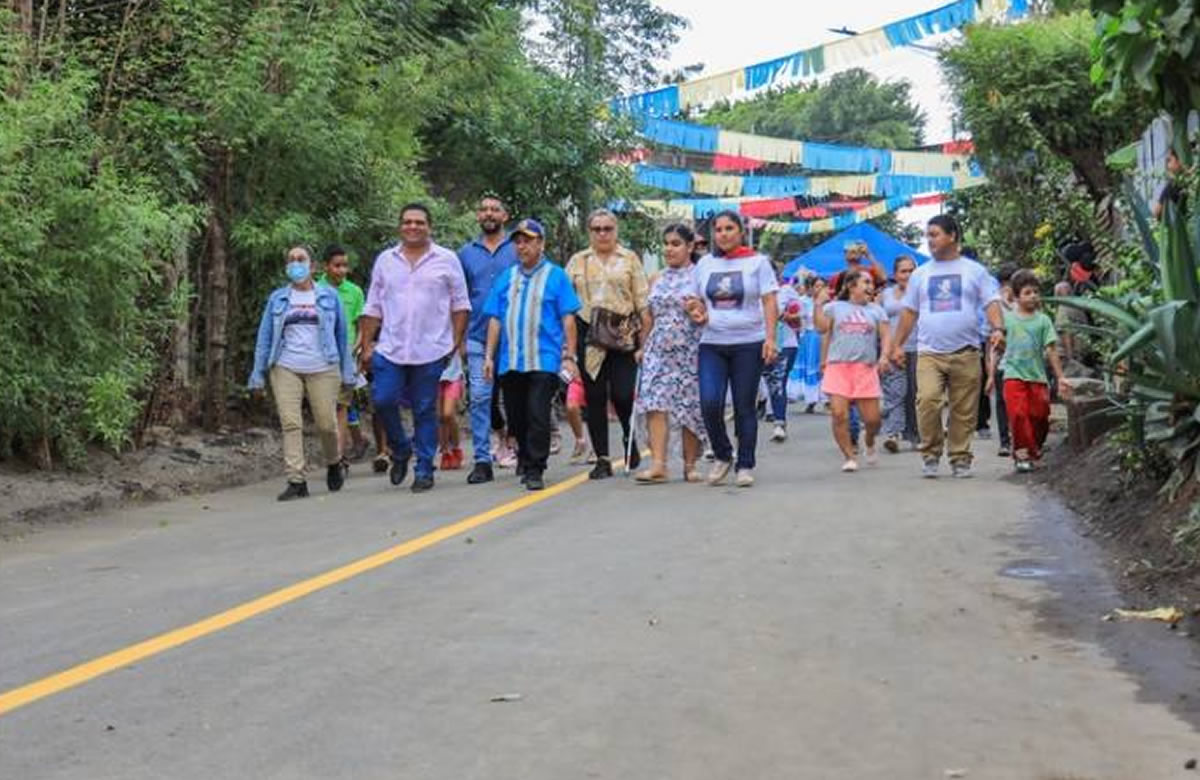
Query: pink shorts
[
  {"x": 851, "y": 380},
  {"x": 575, "y": 397},
  {"x": 450, "y": 390}
]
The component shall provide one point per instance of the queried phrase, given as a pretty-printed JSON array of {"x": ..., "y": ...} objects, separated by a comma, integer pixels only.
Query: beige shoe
[
  {"x": 651, "y": 476},
  {"x": 720, "y": 471},
  {"x": 745, "y": 478},
  {"x": 582, "y": 453}
]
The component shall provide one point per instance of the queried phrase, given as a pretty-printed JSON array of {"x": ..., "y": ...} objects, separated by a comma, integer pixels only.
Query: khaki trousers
[
  {"x": 955, "y": 376},
  {"x": 290, "y": 389}
]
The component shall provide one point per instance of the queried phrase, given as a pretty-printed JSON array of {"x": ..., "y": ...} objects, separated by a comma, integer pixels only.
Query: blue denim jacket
[{"x": 331, "y": 322}]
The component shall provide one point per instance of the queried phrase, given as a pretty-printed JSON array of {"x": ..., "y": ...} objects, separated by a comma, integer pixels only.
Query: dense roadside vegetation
[
  {"x": 1047, "y": 104},
  {"x": 1042, "y": 134},
  {"x": 1148, "y": 47},
  {"x": 158, "y": 156}
]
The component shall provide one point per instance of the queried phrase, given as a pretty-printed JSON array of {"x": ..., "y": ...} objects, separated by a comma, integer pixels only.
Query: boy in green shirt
[
  {"x": 337, "y": 269},
  {"x": 1029, "y": 345}
]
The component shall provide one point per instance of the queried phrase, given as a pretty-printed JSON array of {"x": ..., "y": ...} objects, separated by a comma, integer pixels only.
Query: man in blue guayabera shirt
[
  {"x": 531, "y": 345},
  {"x": 483, "y": 259}
]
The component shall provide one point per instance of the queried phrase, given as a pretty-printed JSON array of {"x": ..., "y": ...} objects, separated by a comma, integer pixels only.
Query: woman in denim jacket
[{"x": 302, "y": 344}]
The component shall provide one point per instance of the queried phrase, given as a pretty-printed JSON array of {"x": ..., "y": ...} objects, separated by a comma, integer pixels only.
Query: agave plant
[{"x": 1157, "y": 337}]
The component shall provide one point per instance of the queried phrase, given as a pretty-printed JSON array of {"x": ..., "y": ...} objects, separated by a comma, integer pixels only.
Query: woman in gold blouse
[{"x": 611, "y": 284}]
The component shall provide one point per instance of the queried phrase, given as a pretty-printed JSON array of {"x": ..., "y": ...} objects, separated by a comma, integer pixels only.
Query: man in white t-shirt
[{"x": 946, "y": 295}]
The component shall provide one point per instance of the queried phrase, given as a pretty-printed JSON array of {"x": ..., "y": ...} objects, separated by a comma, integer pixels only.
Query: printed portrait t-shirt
[
  {"x": 855, "y": 337},
  {"x": 301, "y": 349},
  {"x": 947, "y": 296},
  {"x": 732, "y": 288}
]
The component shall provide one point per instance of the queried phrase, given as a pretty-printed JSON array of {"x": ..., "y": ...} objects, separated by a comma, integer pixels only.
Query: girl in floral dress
[{"x": 669, "y": 388}]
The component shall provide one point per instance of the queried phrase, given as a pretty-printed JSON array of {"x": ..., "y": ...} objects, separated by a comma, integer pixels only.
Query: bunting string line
[
  {"x": 733, "y": 150},
  {"x": 744, "y": 82},
  {"x": 885, "y": 185},
  {"x": 683, "y": 210}
]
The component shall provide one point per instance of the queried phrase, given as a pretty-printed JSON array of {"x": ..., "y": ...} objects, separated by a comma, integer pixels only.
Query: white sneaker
[
  {"x": 961, "y": 470},
  {"x": 779, "y": 434},
  {"x": 929, "y": 469},
  {"x": 872, "y": 456},
  {"x": 720, "y": 471},
  {"x": 506, "y": 458},
  {"x": 850, "y": 466},
  {"x": 744, "y": 479}
]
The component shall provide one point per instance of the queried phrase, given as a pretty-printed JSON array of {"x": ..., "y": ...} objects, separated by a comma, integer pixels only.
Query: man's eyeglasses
[{"x": 602, "y": 228}]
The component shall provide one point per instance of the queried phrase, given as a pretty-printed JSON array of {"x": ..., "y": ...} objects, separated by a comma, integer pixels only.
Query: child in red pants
[{"x": 1030, "y": 340}]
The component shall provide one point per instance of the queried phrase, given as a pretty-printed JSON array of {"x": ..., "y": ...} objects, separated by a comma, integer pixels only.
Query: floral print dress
[{"x": 670, "y": 380}]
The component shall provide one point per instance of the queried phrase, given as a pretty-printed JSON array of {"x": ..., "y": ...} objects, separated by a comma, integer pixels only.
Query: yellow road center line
[{"x": 89, "y": 670}]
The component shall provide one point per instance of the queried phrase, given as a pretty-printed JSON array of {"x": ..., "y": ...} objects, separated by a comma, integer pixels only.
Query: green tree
[
  {"x": 853, "y": 107},
  {"x": 78, "y": 247},
  {"x": 612, "y": 46},
  {"x": 1153, "y": 47},
  {"x": 525, "y": 132},
  {"x": 172, "y": 150},
  {"x": 1023, "y": 91}
]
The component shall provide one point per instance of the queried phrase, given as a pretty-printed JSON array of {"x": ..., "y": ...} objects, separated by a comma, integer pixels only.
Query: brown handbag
[{"x": 608, "y": 329}]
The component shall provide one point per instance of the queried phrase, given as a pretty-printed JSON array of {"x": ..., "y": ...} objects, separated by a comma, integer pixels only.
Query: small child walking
[
  {"x": 450, "y": 390},
  {"x": 856, "y": 329},
  {"x": 576, "y": 403},
  {"x": 1030, "y": 340}
]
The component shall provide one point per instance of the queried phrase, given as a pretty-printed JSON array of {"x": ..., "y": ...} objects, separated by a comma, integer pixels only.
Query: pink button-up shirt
[{"x": 414, "y": 302}]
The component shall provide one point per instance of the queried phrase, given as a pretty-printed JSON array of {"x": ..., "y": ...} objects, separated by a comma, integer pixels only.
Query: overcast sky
[{"x": 727, "y": 34}]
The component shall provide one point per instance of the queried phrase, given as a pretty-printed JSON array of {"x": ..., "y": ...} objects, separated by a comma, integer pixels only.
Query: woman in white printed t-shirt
[
  {"x": 302, "y": 349},
  {"x": 734, "y": 300}
]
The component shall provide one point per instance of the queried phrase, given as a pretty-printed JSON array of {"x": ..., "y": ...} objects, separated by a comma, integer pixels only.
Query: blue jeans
[
  {"x": 855, "y": 422},
  {"x": 419, "y": 384},
  {"x": 738, "y": 368},
  {"x": 480, "y": 391},
  {"x": 777, "y": 378}
]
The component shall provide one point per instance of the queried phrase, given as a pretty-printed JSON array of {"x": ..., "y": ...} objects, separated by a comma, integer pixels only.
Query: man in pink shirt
[{"x": 419, "y": 296}]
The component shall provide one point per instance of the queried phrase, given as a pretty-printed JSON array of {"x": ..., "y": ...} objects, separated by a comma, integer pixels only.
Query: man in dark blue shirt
[{"x": 483, "y": 260}]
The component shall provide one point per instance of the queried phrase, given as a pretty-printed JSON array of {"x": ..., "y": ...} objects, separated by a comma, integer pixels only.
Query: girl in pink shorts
[{"x": 859, "y": 342}]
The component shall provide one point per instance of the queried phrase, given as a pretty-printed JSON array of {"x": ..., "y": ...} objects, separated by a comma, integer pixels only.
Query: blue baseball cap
[{"x": 529, "y": 227}]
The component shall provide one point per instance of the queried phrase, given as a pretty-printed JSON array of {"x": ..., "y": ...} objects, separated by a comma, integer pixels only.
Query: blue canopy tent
[{"x": 827, "y": 258}]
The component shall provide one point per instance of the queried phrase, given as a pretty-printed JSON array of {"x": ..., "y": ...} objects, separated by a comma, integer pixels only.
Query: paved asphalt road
[{"x": 819, "y": 625}]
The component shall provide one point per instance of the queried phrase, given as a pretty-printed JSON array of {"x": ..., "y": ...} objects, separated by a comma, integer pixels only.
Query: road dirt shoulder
[{"x": 168, "y": 466}]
